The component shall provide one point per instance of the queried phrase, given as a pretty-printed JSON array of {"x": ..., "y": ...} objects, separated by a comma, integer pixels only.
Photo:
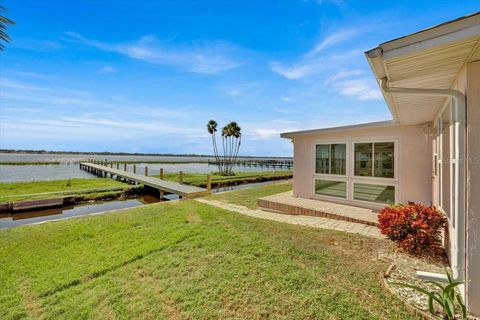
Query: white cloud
[
  {"x": 267, "y": 134},
  {"x": 359, "y": 88},
  {"x": 297, "y": 71},
  {"x": 342, "y": 74},
  {"x": 206, "y": 57},
  {"x": 107, "y": 69},
  {"x": 333, "y": 39}
]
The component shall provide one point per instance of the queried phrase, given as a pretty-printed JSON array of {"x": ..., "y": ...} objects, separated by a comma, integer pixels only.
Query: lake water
[
  {"x": 69, "y": 167},
  {"x": 10, "y": 220}
]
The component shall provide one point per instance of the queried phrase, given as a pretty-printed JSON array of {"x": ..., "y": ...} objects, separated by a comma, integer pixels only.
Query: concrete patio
[{"x": 286, "y": 203}]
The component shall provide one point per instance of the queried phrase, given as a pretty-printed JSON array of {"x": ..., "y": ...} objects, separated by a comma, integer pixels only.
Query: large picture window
[
  {"x": 375, "y": 159},
  {"x": 331, "y": 159}
]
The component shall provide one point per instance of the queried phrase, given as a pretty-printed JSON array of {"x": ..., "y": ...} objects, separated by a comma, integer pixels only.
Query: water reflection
[{"x": 17, "y": 219}]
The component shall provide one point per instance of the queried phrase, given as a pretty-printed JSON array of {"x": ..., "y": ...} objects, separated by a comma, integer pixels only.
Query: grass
[
  {"x": 248, "y": 197},
  {"x": 186, "y": 260},
  {"x": 16, "y": 191},
  {"x": 158, "y": 162},
  {"x": 36, "y": 163},
  {"x": 200, "y": 179}
]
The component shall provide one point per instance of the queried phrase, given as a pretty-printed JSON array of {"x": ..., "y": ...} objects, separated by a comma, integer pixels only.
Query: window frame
[
  {"x": 329, "y": 143},
  {"x": 350, "y": 177}
]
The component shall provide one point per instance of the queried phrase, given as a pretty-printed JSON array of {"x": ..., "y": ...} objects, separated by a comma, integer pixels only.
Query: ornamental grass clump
[{"x": 414, "y": 227}]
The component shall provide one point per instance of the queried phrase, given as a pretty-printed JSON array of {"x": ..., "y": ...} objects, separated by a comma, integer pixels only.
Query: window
[
  {"x": 374, "y": 159},
  {"x": 331, "y": 188},
  {"x": 331, "y": 159},
  {"x": 373, "y": 193}
]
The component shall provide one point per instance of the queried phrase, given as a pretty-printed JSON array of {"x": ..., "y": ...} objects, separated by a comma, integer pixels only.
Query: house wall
[
  {"x": 414, "y": 159},
  {"x": 473, "y": 188}
]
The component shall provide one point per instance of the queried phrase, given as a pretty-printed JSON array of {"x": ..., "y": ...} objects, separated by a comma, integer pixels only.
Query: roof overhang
[
  {"x": 378, "y": 124},
  {"x": 429, "y": 59}
]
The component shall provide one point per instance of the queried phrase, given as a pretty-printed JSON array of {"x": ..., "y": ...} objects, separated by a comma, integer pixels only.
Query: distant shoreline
[{"x": 124, "y": 154}]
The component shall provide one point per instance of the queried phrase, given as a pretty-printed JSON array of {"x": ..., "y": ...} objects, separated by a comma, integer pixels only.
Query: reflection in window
[
  {"x": 331, "y": 159},
  {"x": 322, "y": 157},
  {"x": 338, "y": 159},
  {"x": 375, "y": 159},
  {"x": 331, "y": 188},
  {"x": 374, "y": 193},
  {"x": 363, "y": 159},
  {"x": 384, "y": 159}
]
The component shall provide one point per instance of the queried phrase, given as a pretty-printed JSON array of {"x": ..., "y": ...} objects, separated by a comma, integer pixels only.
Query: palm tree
[
  {"x": 225, "y": 141},
  {"x": 4, "y": 21},
  {"x": 231, "y": 140},
  {"x": 212, "y": 129},
  {"x": 237, "y": 134}
]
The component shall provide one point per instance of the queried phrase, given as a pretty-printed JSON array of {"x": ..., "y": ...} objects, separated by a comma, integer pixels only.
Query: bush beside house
[{"x": 414, "y": 227}]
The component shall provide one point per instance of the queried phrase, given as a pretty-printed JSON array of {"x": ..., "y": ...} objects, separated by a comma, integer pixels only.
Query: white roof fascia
[
  {"x": 430, "y": 43},
  {"x": 377, "y": 124}
]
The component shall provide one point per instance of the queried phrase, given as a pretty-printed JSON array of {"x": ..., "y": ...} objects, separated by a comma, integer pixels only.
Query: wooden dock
[
  {"x": 275, "y": 164},
  {"x": 164, "y": 186}
]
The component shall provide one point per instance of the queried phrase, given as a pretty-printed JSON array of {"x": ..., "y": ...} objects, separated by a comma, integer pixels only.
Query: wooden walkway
[{"x": 164, "y": 186}]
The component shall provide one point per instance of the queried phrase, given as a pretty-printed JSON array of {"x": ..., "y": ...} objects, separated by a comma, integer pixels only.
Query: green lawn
[
  {"x": 248, "y": 197},
  {"x": 26, "y": 190},
  {"x": 186, "y": 260},
  {"x": 200, "y": 179}
]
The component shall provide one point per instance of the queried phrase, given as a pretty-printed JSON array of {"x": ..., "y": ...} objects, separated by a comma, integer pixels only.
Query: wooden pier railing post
[
  {"x": 180, "y": 178},
  {"x": 134, "y": 168},
  {"x": 209, "y": 182},
  {"x": 146, "y": 170},
  {"x": 124, "y": 167},
  {"x": 118, "y": 165},
  {"x": 161, "y": 173}
]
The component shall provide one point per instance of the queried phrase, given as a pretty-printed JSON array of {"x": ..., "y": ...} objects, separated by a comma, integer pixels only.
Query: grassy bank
[
  {"x": 89, "y": 188},
  {"x": 157, "y": 162},
  {"x": 248, "y": 197},
  {"x": 200, "y": 179},
  {"x": 186, "y": 260},
  {"x": 45, "y": 163}
]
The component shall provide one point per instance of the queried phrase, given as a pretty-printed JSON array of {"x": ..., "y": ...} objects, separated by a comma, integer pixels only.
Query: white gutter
[{"x": 457, "y": 165}]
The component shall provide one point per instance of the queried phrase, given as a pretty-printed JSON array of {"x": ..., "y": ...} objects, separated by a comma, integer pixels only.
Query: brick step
[{"x": 285, "y": 203}]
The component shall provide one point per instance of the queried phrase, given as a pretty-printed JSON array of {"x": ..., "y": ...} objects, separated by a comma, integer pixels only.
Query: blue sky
[{"x": 146, "y": 76}]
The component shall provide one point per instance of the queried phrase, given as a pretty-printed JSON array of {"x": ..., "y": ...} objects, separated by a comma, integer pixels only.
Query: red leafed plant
[{"x": 415, "y": 228}]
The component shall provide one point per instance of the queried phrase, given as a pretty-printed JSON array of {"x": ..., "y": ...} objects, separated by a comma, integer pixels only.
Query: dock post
[
  {"x": 118, "y": 165},
  {"x": 180, "y": 176},
  {"x": 134, "y": 168},
  {"x": 146, "y": 170},
  {"x": 209, "y": 182},
  {"x": 111, "y": 165},
  {"x": 125, "y": 167},
  {"x": 162, "y": 194},
  {"x": 161, "y": 173}
]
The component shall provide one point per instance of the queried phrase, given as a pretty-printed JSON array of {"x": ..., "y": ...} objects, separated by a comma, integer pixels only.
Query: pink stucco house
[{"x": 428, "y": 153}]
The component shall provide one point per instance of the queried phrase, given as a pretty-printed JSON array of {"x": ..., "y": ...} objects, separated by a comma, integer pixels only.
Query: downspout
[{"x": 459, "y": 205}]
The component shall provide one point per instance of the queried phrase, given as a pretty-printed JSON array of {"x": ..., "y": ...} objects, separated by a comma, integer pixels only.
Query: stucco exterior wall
[
  {"x": 473, "y": 188},
  {"x": 414, "y": 159}
]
